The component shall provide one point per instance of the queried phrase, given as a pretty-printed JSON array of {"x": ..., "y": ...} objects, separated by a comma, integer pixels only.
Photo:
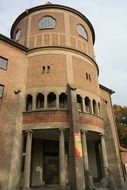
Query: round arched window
[
  {"x": 47, "y": 22},
  {"x": 17, "y": 34},
  {"x": 82, "y": 31}
]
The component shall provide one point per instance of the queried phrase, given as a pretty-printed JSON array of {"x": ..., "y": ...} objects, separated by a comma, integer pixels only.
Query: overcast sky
[{"x": 109, "y": 19}]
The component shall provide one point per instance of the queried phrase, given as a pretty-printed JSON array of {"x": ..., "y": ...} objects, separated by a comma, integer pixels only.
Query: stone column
[
  {"x": 45, "y": 101},
  {"x": 57, "y": 101},
  {"x": 84, "y": 148},
  {"x": 91, "y": 107},
  {"x": 61, "y": 159},
  {"x": 27, "y": 166},
  {"x": 34, "y": 102},
  {"x": 83, "y": 105},
  {"x": 104, "y": 154}
]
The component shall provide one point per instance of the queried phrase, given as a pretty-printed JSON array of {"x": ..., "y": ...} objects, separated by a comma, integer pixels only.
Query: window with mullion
[{"x": 47, "y": 22}]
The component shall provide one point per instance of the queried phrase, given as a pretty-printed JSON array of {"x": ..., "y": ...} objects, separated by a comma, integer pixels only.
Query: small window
[
  {"x": 17, "y": 35},
  {"x": 79, "y": 103},
  {"x": 47, "y": 22},
  {"x": 82, "y": 31},
  {"x": 1, "y": 90},
  {"x": 3, "y": 63},
  {"x": 88, "y": 105},
  {"x": 94, "y": 107},
  {"x": 63, "y": 100},
  {"x": 51, "y": 100},
  {"x": 48, "y": 69},
  {"x": 40, "y": 101},
  {"x": 29, "y": 100},
  {"x": 43, "y": 69},
  {"x": 87, "y": 76}
]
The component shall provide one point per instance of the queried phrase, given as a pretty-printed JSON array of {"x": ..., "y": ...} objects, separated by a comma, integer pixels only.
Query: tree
[{"x": 120, "y": 113}]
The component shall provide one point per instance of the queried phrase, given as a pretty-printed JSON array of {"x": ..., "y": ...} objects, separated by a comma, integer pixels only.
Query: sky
[{"x": 109, "y": 19}]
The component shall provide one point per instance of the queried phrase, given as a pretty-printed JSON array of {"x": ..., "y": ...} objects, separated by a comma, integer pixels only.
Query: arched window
[
  {"x": 29, "y": 100},
  {"x": 79, "y": 103},
  {"x": 63, "y": 100},
  {"x": 94, "y": 107},
  {"x": 17, "y": 35},
  {"x": 47, "y": 22},
  {"x": 87, "y": 105},
  {"x": 51, "y": 100},
  {"x": 82, "y": 31},
  {"x": 40, "y": 101}
]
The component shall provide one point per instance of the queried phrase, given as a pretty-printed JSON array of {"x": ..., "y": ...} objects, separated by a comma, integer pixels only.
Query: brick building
[{"x": 56, "y": 120}]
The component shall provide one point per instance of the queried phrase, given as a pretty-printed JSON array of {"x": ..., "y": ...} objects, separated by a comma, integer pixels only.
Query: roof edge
[
  {"x": 106, "y": 89},
  {"x": 12, "y": 42}
]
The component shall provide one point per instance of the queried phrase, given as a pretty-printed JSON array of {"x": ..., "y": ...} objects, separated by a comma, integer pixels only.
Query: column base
[{"x": 62, "y": 188}]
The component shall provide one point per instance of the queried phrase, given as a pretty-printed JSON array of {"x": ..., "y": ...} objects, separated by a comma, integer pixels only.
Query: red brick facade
[{"x": 44, "y": 66}]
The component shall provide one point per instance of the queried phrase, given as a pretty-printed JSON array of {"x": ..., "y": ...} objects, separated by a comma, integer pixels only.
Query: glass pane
[
  {"x": 82, "y": 31},
  {"x": 3, "y": 63},
  {"x": 47, "y": 22},
  {"x": 17, "y": 35},
  {"x": 1, "y": 90}
]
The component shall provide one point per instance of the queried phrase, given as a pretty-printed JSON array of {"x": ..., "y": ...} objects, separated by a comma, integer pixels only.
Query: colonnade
[{"x": 62, "y": 178}]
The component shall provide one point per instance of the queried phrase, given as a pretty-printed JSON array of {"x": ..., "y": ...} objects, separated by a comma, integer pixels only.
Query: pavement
[{"x": 124, "y": 186}]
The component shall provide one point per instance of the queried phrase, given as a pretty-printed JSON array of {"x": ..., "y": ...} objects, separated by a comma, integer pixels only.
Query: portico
[{"x": 47, "y": 157}]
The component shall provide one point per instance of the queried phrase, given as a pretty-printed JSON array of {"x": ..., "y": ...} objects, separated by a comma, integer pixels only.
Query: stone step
[
  {"x": 102, "y": 188},
  {"x": 47, "y": 187}
]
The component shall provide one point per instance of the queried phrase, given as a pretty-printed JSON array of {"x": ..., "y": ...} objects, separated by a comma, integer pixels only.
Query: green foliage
[{"x": 120, "y": 113}]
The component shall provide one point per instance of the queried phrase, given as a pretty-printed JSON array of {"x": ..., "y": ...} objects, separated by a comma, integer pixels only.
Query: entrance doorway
[
  {"x": 95, "y": 155},
  {"x": 51, "y": 162},
  {"x": 51, "y": 170}
]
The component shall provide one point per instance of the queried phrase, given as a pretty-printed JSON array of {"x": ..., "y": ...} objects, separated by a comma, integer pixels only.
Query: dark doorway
[
  {"x": 51, "y": 170},
  {"x": 51, "y": 162}
]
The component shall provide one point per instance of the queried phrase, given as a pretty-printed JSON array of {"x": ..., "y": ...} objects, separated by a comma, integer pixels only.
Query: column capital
[
  {"x": 84, "y": 131},
  {"x": 61, "y": 130},
  {"x": 29, "y": 131},
  {"x": 72, "y": 86},
  {"x": 101, "y": 134}
]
